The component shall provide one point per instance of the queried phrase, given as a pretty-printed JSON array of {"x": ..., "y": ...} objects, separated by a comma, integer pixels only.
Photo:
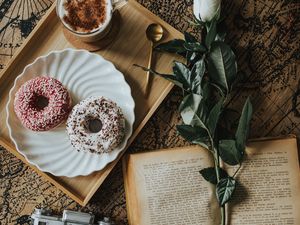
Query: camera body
[{"x": 44, "y": 217}]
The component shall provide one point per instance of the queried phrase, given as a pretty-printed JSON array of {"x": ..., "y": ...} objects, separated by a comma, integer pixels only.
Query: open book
[{"x": 165, "y": 187}]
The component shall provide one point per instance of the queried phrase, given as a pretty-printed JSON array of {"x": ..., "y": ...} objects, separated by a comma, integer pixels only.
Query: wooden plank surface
[
  {"x": 265, "y": 38},
  {"x": 129, "y": 47}
]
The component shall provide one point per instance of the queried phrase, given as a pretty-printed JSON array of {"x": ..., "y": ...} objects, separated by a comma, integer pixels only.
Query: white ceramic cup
[{"x": 91, "y": 36}]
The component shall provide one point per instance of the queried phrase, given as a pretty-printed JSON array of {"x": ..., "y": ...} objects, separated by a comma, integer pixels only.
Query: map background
[{"x": 265, "y": 36}]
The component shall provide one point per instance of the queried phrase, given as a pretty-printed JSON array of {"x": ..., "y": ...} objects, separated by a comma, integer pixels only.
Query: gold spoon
[{"x": 154, "y": 34}]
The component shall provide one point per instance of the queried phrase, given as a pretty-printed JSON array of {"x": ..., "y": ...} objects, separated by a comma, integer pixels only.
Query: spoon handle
[{"x": 148, "y": 72}]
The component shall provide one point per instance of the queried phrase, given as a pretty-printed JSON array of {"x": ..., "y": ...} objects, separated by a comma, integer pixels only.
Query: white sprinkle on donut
[
  {"x": 42, "y": 103},
  {"x": 96, "y": 125}
]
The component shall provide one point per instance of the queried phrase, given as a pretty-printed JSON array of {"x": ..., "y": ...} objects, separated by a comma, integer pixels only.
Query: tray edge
[
  {"x": 4, "y": 74},
  {"x": 46, "y": 176},
  {"x": 16, "y": 57}
]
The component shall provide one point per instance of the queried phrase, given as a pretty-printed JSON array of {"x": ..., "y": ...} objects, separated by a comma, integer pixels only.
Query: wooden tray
[{"x": 129, "y": 47}]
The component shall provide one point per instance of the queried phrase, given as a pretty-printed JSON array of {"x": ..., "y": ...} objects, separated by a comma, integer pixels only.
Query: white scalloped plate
[{"x": 84, "y": 74}]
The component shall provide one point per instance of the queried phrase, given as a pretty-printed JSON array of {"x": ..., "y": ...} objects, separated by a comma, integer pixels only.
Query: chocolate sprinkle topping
[
  {"x": 85, "y": 15},
  {"x": 100, "y": 141}
]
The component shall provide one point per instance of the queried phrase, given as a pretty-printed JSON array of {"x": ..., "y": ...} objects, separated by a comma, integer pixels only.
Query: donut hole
[
  {"x": 39, "y": 102},
  {"x": 93, "y": 125}
]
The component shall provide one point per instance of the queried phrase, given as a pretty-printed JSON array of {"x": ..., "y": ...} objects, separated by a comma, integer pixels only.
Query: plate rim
[{"x": 10, "y": 98}]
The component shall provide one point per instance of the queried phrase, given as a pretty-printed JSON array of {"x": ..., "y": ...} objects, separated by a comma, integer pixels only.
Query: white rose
[{"x": 206, "y": 9}]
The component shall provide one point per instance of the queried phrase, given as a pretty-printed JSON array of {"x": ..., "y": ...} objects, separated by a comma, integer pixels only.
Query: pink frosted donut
[{"x": 42, "y": 103}]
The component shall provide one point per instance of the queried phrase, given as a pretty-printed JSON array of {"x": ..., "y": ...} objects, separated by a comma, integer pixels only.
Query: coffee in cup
[{"x": 89, "y": 20}]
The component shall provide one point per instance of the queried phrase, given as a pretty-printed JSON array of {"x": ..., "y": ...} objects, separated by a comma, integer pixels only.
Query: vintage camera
[{"x": 44, "y": 217}]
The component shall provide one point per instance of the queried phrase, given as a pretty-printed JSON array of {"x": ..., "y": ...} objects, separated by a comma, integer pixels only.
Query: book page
[
  {"x": 165, "y": 187},
  {"x": 169, "y": 188},
  {"x": 269, "y": 185}
]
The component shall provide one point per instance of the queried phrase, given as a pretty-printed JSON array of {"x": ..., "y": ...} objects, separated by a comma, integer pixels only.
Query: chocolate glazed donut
[
  {"x": 42, "y": 103},
  {"x": 96, "y": 125}
]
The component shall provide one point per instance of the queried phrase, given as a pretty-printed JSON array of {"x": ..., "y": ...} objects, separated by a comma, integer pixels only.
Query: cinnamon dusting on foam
[{"x": 85, "y": 15}]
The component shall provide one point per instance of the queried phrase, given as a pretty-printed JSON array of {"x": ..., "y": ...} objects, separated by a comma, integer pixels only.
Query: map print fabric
[{"x": 265, "y": 36}]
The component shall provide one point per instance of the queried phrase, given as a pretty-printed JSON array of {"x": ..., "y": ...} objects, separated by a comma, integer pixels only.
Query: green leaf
[
  {"x": 206, "y": 91},
  {"x": 211, "y": 28},
  {"x": 196, "y": 77},
  {"x": 194, "y": 47},
  {"x": 225, "y": 189},
  {"x": 190, "y": 80},
  {"x": 173, "y": 46},
  {"x": 229, "y": 152},
  {"x": 222, "y": 66},
  {"x": 189, "y": 38},
  {"x": 195, "y": 135},
  {"x": 193, "y": 111},
  {"x": 214, "y": 116},
  {"x": 209, "y": 174},
  {"x": 182, "y": 73},
  {"x": 190, "y": 57},
  {"x": 243, "y": 127},
  {"x": 168, "y": 77},
  {"x": 221, "y": 34},
  {"x": 227, "y": 121},
  {"x": 193, "y": 57}
]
